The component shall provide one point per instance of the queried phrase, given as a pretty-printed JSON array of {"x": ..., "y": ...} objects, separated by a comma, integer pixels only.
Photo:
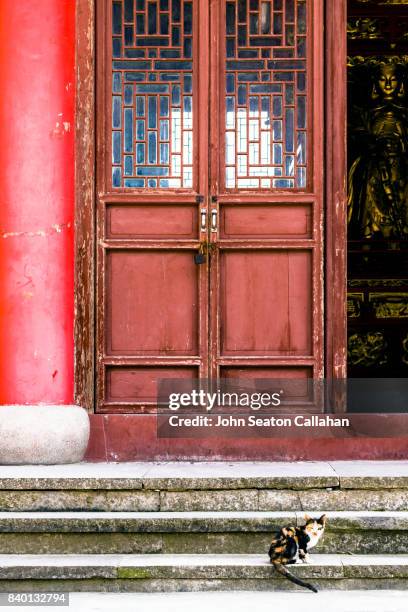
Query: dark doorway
[{"x": 377, "y": 304}]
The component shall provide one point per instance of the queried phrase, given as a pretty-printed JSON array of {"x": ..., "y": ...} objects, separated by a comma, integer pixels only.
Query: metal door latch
[
  {"x": 214, "y": 220},
  {"x": 203, "y": 217}
]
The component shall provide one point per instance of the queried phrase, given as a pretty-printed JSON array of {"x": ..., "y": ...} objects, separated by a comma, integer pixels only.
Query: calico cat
[{"x": 293, "y": 543}]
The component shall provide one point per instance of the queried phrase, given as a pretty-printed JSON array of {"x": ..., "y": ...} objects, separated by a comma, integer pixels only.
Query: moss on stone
[{"x": 133, "y": 573}]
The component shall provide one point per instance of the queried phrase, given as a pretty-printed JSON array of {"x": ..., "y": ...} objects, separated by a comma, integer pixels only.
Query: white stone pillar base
[{"x": 43, "y": 434}]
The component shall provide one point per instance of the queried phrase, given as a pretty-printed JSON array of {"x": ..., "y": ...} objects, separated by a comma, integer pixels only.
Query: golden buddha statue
[{"x": 378, "y": 177}]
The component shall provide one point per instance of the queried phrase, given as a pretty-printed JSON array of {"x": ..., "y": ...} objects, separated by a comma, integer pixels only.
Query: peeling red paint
[{"x": 37, "y": 205}]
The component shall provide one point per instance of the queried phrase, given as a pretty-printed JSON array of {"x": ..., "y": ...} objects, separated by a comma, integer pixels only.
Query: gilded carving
[
  {"x": 377, "y": 282},
  {"x": 367, "y": 349},
  {"x": 378, "y": 176},
  {"x": 385, "y": 2},
  {"x": 389, "y": 305},
  {"x": 405, "y": 350},
  {"x": 363, "y": 28},
  {"x": 354, "y": 302}
]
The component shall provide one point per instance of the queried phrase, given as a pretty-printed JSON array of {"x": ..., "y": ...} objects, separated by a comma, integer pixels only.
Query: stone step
[
  {"x": 158, "y": 573},
  {"x": 201, "y": 500},
  {"x": 193, "y": 532},
  {"x": 259, "y": 486},
  {"x": 174, "y": 476}
]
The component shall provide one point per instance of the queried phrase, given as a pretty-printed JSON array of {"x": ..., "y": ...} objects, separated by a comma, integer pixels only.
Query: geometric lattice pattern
[
  {"x": 152, "y": 89},
  {"x": 265, "y": 100}
]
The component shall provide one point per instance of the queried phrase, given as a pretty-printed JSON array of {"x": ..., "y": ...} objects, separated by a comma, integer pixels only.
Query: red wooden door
[
  {"x": 267, "y": 176},
  {"x": 152, "y": 297},
  {"x": 213, "y": 133}
]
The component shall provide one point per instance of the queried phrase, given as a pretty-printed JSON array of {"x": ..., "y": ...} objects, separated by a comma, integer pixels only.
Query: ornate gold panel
[
  {"x": 367, "y": 349},
  {"x": 385, "y": 2},
  {"x": 377, "y": 282},
  {"x": 405, "y": 350},
  {"x": 389, "y": 305},
  {"x": 354, "y": 301},
  {"x": 363, "y": 28}
]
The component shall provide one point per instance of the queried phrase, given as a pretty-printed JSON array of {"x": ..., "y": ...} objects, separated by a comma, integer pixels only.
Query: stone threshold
[{"x": 208, "y": 475}]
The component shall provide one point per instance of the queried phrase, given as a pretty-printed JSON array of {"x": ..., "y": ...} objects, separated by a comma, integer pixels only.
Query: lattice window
[
  {"x": 152, "y": 94},
  {"x": 266, "y": 118}
]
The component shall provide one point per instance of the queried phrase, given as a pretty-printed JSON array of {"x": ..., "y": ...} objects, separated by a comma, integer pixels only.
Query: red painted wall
[{"x": 37, "y": 200}]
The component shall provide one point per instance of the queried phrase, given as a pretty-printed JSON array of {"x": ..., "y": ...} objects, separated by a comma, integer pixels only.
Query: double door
[{"x": 210, "y": 189}]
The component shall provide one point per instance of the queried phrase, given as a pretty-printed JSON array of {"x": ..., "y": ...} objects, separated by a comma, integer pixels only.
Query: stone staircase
[{"x": 200, "y": 526}]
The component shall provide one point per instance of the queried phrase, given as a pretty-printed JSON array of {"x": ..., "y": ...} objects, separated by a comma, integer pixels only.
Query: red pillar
[{"x": 37, "y": 42}]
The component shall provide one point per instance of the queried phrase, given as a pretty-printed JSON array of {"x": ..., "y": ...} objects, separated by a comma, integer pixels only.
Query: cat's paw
[{"x": 306, "y": 559}]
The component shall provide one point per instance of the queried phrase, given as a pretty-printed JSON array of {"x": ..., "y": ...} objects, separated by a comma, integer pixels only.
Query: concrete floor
[{"x": 333, "y": 601}]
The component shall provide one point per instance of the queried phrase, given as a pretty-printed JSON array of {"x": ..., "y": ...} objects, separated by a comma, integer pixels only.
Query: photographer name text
[{"x": 257, "y": 421}]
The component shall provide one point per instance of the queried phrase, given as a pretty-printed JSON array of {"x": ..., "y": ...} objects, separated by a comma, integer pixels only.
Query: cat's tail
[{"x": 281, "y": 569}]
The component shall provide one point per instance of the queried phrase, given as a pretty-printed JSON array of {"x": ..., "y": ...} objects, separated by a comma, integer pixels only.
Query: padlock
[{"x": 201, "y": 256}]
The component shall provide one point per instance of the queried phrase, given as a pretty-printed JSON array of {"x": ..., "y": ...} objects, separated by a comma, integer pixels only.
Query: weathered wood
[
  {"x": 84, "y": 205},
  {"x": 309, "y": 243},
  {"x": 336, "y": 194}
]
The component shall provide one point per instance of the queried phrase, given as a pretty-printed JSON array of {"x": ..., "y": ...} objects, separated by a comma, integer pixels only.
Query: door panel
[
  {"x": 255, "y": 284},
  {"x": 266, "y": 221},
  {"x": 139, "y": 384},
  {"x": 293, "y": 382},
  {"x": 260, "y": 372},
  {"x": 265, "y": 94},
  {"x": 153, "y": 90},
  {"x": 151, "y": 303},
  {"x": 152, "y": 221}
]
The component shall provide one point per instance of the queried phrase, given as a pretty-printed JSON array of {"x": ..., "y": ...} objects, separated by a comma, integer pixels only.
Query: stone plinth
[{"x": 42, "y": 434}]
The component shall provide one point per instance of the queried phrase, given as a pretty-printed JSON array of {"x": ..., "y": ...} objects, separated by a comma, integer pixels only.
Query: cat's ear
[
  {"x": 307, "y": 518},
  {"x": 323, "y": 519}
]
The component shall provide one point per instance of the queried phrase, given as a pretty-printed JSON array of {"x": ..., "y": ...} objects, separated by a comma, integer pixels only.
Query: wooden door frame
[
  {"x": 336, "y": 188},
  {"x": 85, "y": 158}
]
